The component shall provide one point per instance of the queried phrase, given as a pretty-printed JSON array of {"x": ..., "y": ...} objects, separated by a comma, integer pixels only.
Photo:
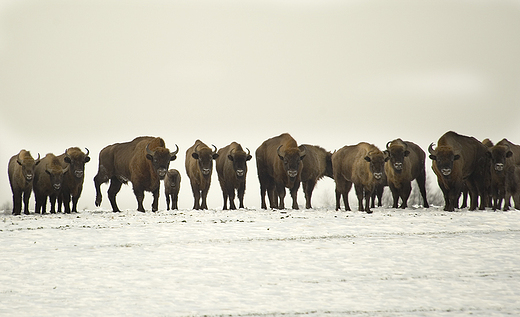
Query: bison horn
[
  {"x": 430, "y": 149},
  {"x": 388, "y": 144},
  {"x": 176, "y": 151},
  {"x": 278, "y": 151},
  {"x": 148, "y": 151},
  {"x": 215, "y": 148},
  {"x": 248, "y": 152},
  {"x": 66, "y": 169},
  {"x": 87, "y": 151},
  {"x": 195, "y": 149}
]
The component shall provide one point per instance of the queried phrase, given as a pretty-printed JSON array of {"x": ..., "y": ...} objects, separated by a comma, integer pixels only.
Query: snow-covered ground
[{"x": 414, "y": 262}]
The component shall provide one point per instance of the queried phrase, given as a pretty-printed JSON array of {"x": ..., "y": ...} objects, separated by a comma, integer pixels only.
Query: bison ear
[
  {"x": 230, "y": 157},
  {"x": 87, "y": 159},
  {"x": 195, "y": 155},
  {"x": 148, "y": 156},
  {"x": 66, "y": 159},
  {"x": 173, "y": 157},
  {"x": 433, "y": 157},
  {"x": 509, "y": 154},
  {"x": 215, "y": 156},
  {"x": 248, "y": 157},
  {"x": 367, "y": 159},
  {"x": 456, "y": 157},
  {"x": 406, "y": 153}
]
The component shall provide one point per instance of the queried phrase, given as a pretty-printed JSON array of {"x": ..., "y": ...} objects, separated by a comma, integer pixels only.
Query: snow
[{"x": 413, "y": 262}]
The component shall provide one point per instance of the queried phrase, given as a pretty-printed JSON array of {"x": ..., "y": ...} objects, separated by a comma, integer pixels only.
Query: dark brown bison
[
  {"x": 21, "y": 175},
  {"x": 460, "y": 160},
  {"x": 504, "y": 158},
  {"x": 279, "y": 165},
  {"x": 199, "y": 167},
  {"x": 406, "y": 161},
  {"x": 378, "y": 192},
  {"x": 362, "y": 165},
  {"x": 232, "y": 171},
  {"x": 316, "y": 164},
  {"x": 143, "y": 161},
  {"x": 172, "y": 185},
  {"x": 73, "y": 180},
  {"x": 48, "y": 181}
]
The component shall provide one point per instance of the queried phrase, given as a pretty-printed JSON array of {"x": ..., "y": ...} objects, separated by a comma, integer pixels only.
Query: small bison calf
[{"x": 172, "y": 185}]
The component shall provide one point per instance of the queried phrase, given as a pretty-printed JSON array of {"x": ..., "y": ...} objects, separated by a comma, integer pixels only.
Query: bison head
[
  {"x": 28, "y": 163},
  {"x": 443, "y": 156},
  {"x": 239, "y": 159},
  {"x": 396, "y": 151},
  {"x": 292, "y": 158},
  {"x": 498, "y": 155},
  {"x": 377, "y": 163},
  {"x": 173, "y": 176},
  {"x": 205, "y": 157},
  {"x": 161, "y": 158},
  {"x": 56, "y": 173},
  {"x": 77, "y": 160}
]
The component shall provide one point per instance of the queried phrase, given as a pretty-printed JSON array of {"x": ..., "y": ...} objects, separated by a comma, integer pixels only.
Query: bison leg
[
  {"x": 231, "y": 195},
  {"x": 139, "y": 195},
  {"x": 168, "y": 202},
  {"x": 65, "y": 198},
  {"x": 294, "y": 196},
  {"x": 395, "y": 194},
  {"x": 17, "y": 202},
  {"x": 367, "y": 194},
  {"x": 240, "y": 193},
  {"x": 155, "y": 203},
  {"x": 225, "y": 198},
  {"x": 115, "y": 186},
  {"x": 175, "y": 198},
  {"x": 98, "y": 180},
  {"x": 421, "y": 181},
  {"x": 308, "y": 188},
  {"x": 279, "y": 196},
  {"x": 26, "y": 196},
  {"x": 196, "y": 196},
  {"x": 204, "y": 195},
  {"x": 359, "y": 194},
  {"x": 406, "y": 189}
]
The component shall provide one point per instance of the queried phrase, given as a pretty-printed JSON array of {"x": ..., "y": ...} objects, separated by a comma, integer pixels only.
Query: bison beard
[{"x": 143, "y": 161}]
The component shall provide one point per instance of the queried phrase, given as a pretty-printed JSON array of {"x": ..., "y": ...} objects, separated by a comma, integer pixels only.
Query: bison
[
  {"x": 232, "y": 171},
  {"x": 460, "y": 160},
  {"x": 316, "y": 164},
  {"x": 361, "y": 165},
  {"x": 72, "y": 181},
  {"x": 406, "y": 162},
  {"x": 505, "y": 157},
  {"x": 279, "y": 165},
  {"x": 199, "y": 167},
  {"x": 21, "y": 174},
  {"x": 48, "y": 181},
  {"x": 143, "y": 161},
  {"x": 172, "y": 185}
]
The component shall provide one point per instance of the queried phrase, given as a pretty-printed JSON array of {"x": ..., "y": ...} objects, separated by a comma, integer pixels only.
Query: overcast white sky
[{"x": 92, "y": 73}]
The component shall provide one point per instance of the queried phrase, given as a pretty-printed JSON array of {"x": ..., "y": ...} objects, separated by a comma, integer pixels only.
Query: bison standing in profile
[
  {"x": 279, "y": 165},
  {"x": 406, "y": 162},
  {"x": 316, "y": 164},
  {"x": 21, "y": 175},
  {"x": 361, "y": 165},
  {"x": 460, "y": 160},
  {"x": 199, "y": 167},
  {"x": 505, "y": 158},
  {"x": 48, "y": 181},
  {"x": 232, "y": 171},
  {"x": 172, "y": 185},
  {"x": 72, "y": 181},
  {"x": 143, "y": 161}
]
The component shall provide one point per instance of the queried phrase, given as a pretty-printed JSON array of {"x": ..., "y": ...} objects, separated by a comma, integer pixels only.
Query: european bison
[
  {"x": 48, "y": 181},
  {"x": 21, "y": 174},
  {"x": 143, "y": 161},
  {"x": 232, "y": 170},
  {"x": 460, "y": 159},
  {"x": 72, "y": 181},
  {"x": 361, "y": 165},
  {"x": 199, "y": 167},
  {"x": 279, "y": 165},
  {"x": 505, "y": 157},
  {"x": 406, "y": 161},
  {"x": 172, "y": 185},
  {"x": 316, "y": 164}
]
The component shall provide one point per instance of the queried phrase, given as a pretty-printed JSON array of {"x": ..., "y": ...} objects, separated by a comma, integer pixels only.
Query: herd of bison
[{"x": 489, "y": 173}]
